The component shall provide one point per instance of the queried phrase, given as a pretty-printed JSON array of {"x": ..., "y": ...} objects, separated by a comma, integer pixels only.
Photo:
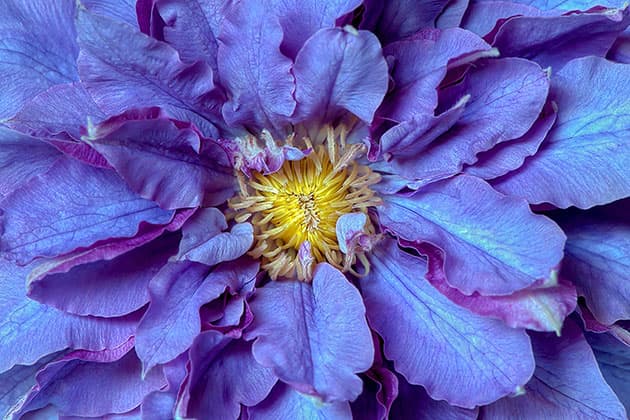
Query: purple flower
[{"x": 283, "y": 209}]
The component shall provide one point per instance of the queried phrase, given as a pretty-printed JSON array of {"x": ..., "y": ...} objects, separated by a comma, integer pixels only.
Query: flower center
[{"x": 295, "y": 210}]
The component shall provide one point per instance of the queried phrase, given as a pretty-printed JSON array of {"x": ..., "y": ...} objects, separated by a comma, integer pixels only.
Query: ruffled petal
[
  {"x": 315, "y": 337},
  {"x": 585, "y": 160},
  {"x": 94, "y": 204},
  {"x": 38, "y": 50},
  {"x": 566, "y": 384},
  {"x": 493, "y": 244},
  {"x": 339, "y": 69},
  {"x": 435, "y": 343}
]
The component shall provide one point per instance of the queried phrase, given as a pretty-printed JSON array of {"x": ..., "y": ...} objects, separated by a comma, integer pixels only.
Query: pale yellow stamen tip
[{"x": 301, "y": 203}]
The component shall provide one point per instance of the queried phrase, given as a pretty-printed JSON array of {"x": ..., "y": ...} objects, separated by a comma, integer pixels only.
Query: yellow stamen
[{"x": 301, "y": 203}]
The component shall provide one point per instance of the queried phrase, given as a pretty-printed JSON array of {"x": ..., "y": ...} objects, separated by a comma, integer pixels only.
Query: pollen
[{"x": 295, "y": 209}]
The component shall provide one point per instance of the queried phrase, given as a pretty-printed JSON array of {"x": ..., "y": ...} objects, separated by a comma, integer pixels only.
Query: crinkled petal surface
[
  {"x": 315, "y": 337},
  {"x": 457, "y": 356},
  {"x": 585, "y": 160},
  {"x": 567, "y": 383},
  {"x": 38, "y": 50},
  {"x": 494, "y": 244},
  {"x": 338, "y": 69}
]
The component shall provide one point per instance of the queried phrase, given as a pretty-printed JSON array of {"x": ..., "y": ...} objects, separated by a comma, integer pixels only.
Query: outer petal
[
  {"x": 598, "y": 259},
  {"x": 538, "y": 308},
  {"x": 59, "y": 109},
  {"x": 546, "y": 39},
  {"x": 314, "y": 337},
  {"x": 177, "y": 292},
  {"x": 507, "y": 96},
  {"x": 38, "y": 50},
  {"x": 339, "y": 69},
  {"x": 122, "y": 10},
  {"x": 613, "y": 358},
  {"x": 493, "y": 243},
  {"x": 256, "y": 75},
  {"x": 586, "y": 158},
  {"x": 22, "y": 158},
  {"x": 123, "y": 69},
  {"x": 458, "y": 356},
  {"x": 567, "y": 383},
  {"x": 414, "y": 403},
  {"x": 103, "y": 287},
  {"x": 29, "y": 330},
  {"x": 419, "y": 65},
  {"x": 165, "y": 163},
  {"x": 92, "y": 384},
  {"x": 285, "y": 403},
  {"x": 227, "y": 377},
  {"x": 72, "y": 205}
]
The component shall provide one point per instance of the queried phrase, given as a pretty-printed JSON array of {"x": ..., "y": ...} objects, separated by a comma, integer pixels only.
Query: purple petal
[
  {"x": 419, "y": 65},
  {"x": 286, "y": 403},
  {"x": 348, "y": 227},
  {"x": 160, "y": 405},
  {"x": 399, "y": 19},
  {"x": 585, "y": 160},
  {"x": 121, "y": 10},
  {"x": 567, "y": 383},
  {"x": 546, "y": 39},
  {"x": 613, "y": 358},
  {"x": 414, "y": 403},
  {"x": 452, "y": 14},
  {"x": 192, "y": 27},
  {"x": 339, "y": 69},
  {"x": 482, "y": 16},
  {"x": 510, "y": 155},
  {"x": 312, "y": 16},
  {"x": 21, "y": 159},
  {"x": 536, "y": 308},
  {"x": 103, "y": 287},
  {"x": 456, "y": 355},
  {"x": 315, "y": 337},
  {"x": 29, "y": 330},
  {"x": 597, "y": 260},
  {"x": 494, "y": 244},
  {"x": 59, "y": 109},
  {"x": 122, "y": 69},
  {"x": 38, "y": 50},
  {"x": 71, "y": 206},
  {"x": 80, "y": 385},
  {"x": 507, "y": 96},
  {"x": 254, "y": 72},
  {"x": 177, "y": 292},
  {"x": 559, "y": 5},
  {"x": 164, "y": 163},
  {"x": 620, "y": 51},
  {"x": 227, "y": 377}
]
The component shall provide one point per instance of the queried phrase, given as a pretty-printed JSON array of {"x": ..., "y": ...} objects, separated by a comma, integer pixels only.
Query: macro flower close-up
[{"x": 283, "y": 209}]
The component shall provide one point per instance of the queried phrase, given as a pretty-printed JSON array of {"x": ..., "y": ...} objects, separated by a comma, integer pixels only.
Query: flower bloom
[{"x": 276, "y": 209}]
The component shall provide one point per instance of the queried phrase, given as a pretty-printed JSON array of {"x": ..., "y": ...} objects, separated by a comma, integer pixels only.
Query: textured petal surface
[
  {"x": 254, "y": 72},
  {"x": 177, "y": 292},
  {"x": 315, "y": 337},
  {"x": 493, "y": 244},
  {"x": 122, "y": 10},
  {"x": 613, "y": 358},
  {"x": 586, "y": 159},
  {"x": 104, "y": 287},
  {"x": 482, "y": 16},
  {"x": 419, "y": 65},
  {"x": 70, "y": 206},
  {"x": 82, "y": 386},
  {"x": 38, "y": 50},
  {"x": 21, "y": 319},
  {"x": 537, "y": 308},
  {"x": 285, "y": 403},
  {"x": 566, "y": 5},
  {"x": 339, "y": 70},
  {"x": 435, "y": 343},
  {"x": 414, "y": 403},
  {"x": 123, "y": 68},
  {"x": 22, "y": 158},
  {"x": 597, "y": 260},
  {"x": 165, "y": 163},
  {"x": 227, "y": 377},
  {"x": 567, "y": 383},
  {"x": 546, "y": 39}
]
